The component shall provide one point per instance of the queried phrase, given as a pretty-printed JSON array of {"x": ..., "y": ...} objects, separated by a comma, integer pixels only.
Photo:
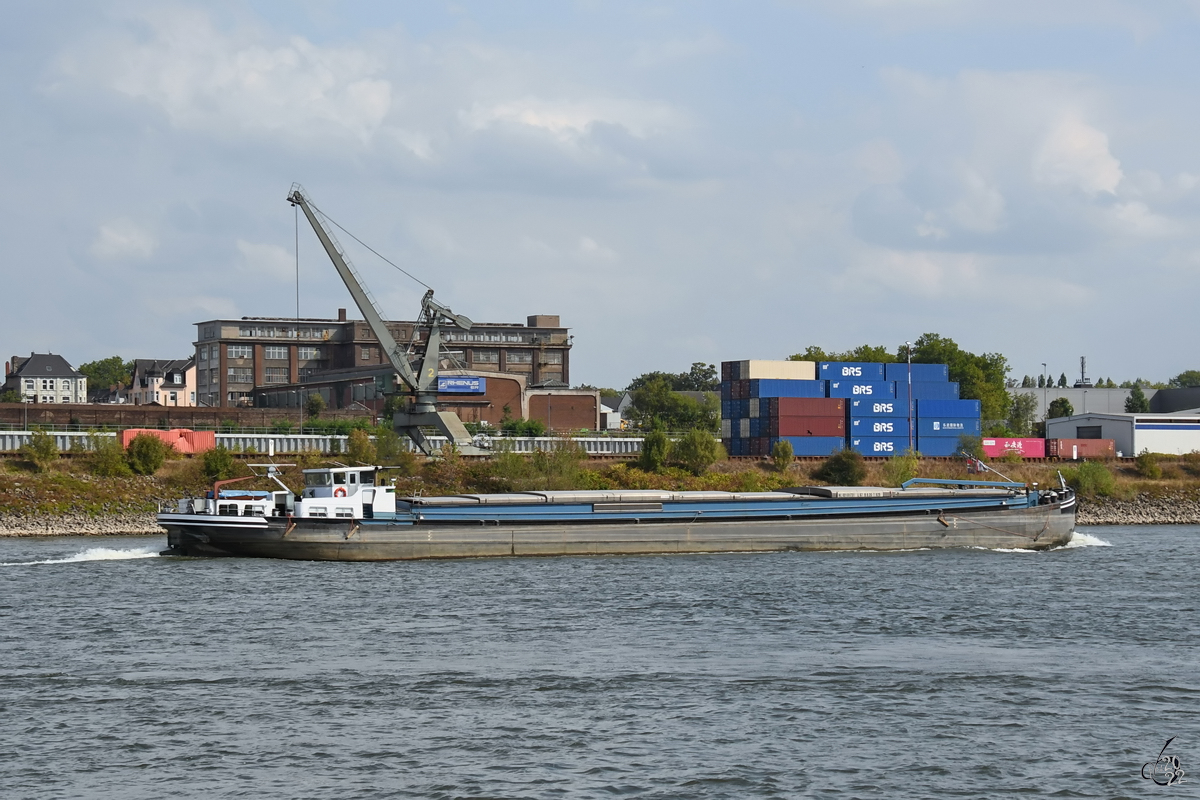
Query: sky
[{"x": 679, "y": 181}]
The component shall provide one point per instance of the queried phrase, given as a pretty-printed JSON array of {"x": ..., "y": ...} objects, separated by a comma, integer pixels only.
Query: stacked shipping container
[{"x": 820, "y": 408}]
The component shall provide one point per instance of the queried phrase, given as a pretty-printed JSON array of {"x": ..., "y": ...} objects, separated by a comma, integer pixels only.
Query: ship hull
[{"x": 1034, "y": 528}]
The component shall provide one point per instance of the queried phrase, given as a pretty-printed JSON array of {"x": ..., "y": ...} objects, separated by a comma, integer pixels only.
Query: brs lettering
[
  {"x": 884, "y": 427},
  {"x": 883, "y": 447},
  {"x": 859, "y": 389},
  {"x": 883, "y": 408},
  {"x": 851, "y": 372}
]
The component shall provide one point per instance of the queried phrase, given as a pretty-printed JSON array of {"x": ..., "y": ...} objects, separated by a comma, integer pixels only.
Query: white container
[{"x": 781, "y": 370}]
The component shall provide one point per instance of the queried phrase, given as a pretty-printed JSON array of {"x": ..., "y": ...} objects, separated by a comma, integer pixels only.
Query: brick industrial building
[{"x": 274, "y": 362}]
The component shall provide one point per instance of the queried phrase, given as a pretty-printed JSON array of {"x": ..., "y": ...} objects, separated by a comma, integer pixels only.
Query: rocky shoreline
[
  {"x": 80, "y": 525},
  {"x": 1141, "y": 510}
]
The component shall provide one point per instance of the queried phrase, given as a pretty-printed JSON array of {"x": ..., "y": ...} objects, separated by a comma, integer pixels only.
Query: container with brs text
[
  {"x": 849, "y": 370},
  {"x": 878, "y": 445},
  {"x": 878, "y": 426},
  {"x": 1026, "y": 448},
  {"x": 851, "y": 389},
  {"x": 871, "y": 407},
  {"x": 947, "y": 390},
  {"x": 947, "y": 426},
  {"x": 931, "y": 373}
]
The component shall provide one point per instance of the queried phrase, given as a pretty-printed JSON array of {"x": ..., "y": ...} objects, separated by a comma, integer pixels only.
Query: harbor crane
[{"x": 419, "y": 385}]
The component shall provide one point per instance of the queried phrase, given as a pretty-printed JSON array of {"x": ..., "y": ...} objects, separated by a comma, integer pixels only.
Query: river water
[{"x": 951, "y": 674}]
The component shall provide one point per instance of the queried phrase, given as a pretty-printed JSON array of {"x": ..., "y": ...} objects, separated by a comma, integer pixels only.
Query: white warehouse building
[{"x": 1173, "y": 434}]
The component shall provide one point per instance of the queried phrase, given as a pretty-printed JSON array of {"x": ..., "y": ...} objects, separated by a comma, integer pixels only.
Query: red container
[
  {"x": 809, "y": 407},
  {"x": 1081, "y": 448},
  {"x": 807, "y": 426},
  {"x": 1026, "y": 448}
]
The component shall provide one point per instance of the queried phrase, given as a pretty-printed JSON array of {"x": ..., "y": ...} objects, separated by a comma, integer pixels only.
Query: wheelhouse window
[{"x": 317, "y": 479}]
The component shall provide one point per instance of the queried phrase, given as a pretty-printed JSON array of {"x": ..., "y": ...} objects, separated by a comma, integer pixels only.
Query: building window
[
  {"x": 210, "y": 332},
  {"x": 366, "y": 354},
  {"x": 47, "y": 398},
  {"x": 204, "y": 353},
  {"x": 65, "y": 400},
  {"x": 276, "y": 353},
  {"x": 177, "y": 378},
  {"x": 485, "y": 356},
  {"x": 552, "y": 357},
  {"x": 241, "y": 375},
  {"x": 519, "y": 357},
  {"x": 193, "y": 401},
  {"x": 305, "y": 353},
  {"x": 174, "y": 398},
  {"x": 29, "y": 385},
  {"x": 278, "y": 375},
  {"x": 238, "y": 350}
]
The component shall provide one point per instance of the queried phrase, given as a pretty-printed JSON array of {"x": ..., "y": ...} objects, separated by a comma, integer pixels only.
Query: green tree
[
  {"x": 1146, "y": 465},
  {"x": 360, "y": 449},
  {"x": 980, "y": 377},
  {"x": 898, "y": 469},
  {"x": 41, "y": 451},
  {"x": 105, "y": 457},
  {"x": 1021, "y": 414},
  {"x": 1041, "y": 381},
  {"x": 655, "y": 402},
  {"x": 146, "y": 453},
  {"x": 1062, "y": 381},
  {"x": 782, "y": 455},
  {"x": 314, "y": 404},
  {"x": 1026, "y": 382},
  {"x": 218, "y": 464},
  {"x": 696, "y": 451},
  {"x": 1185, "y": 380},
  {"x": 105, "y": 373},
  {"x": 10, "y": 396},
  {"x": 865, "y": 353},
  {"x": 846, "y": 468},
  {"x": 1060, "y": 407},
  {"x": 1137, "y": 403},
  {"x": 700, "y": 378},
  {"x": 390, "y": 450},
  {"x": 1091, "y": 479},
  {"x": 656, "y": 450}
]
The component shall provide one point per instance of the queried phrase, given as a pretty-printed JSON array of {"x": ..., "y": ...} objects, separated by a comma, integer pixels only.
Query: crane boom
[
  {"x": 366, "y": 304},
  {"x": 422, "y": 410}
]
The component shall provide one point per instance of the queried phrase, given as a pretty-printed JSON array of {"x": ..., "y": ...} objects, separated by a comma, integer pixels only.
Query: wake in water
[
  {"x": 91, "y": 554},
  {"x": 1084, "y": 540}
]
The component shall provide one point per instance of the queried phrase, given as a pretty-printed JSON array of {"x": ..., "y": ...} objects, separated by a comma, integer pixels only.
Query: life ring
[{"x": 339, "y": 492}]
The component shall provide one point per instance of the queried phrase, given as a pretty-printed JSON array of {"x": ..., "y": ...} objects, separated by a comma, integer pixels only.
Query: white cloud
[
  {"x": 653, "y": 54},
  {"x": 922, "y": 273},
  {"x": 123, "y": 240},
  {"x": 591, "y": 250},
  {"x": 1076, "y": 155},
  {"x": 568, "y": 120},
  {"x": 233, "y": 83},
  {"x": 267, "y": 259}
]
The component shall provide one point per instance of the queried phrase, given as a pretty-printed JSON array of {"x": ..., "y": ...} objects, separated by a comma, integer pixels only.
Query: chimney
[{"x": 341, "y": 315}]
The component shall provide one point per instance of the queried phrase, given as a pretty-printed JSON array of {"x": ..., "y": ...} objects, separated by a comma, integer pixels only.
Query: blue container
[
  {"x": 744, "y": 408},
  {"x": 861, "y": 407},
  {"x": 812, "y": 445},
  {"x": 947, "y": 390},
  {"x": 879, "y": 446},
  {"x": 726, "y": 390},
  {"x": 948, "y": 426},
  {"x": 778, "y": 387},
  {"x": 957, "y": 409},
  {"x": 849, "y": 371},
  {"x": 851, "y": 389},
  {"x": 937, "y": 445},
  {"x": 726, "y": 409},
  {"x": 871, "y": 427},
  {"x": 921, "y": 373},
  {"x": 755, "y": 427}
]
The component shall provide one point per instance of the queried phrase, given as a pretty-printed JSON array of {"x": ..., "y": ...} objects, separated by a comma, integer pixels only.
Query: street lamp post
[
  {"x": 1045, "y": 393},
  {"x": 908, "y": 349}
]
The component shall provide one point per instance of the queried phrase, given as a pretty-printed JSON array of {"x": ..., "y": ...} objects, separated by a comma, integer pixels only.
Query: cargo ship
[{"x": 349, "y": 514}]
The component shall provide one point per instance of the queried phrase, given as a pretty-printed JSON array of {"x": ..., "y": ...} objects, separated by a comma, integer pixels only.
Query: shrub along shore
[{"x": 97, "y": 497}]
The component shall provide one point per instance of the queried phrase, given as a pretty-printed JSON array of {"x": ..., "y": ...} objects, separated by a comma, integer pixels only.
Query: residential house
[
  {"x": 45, "y": 378},
  {"x": 164, "y": 383}
]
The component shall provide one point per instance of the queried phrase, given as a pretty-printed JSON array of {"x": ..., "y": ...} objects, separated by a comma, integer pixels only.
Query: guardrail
[{"x": 265, "y": 443}]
